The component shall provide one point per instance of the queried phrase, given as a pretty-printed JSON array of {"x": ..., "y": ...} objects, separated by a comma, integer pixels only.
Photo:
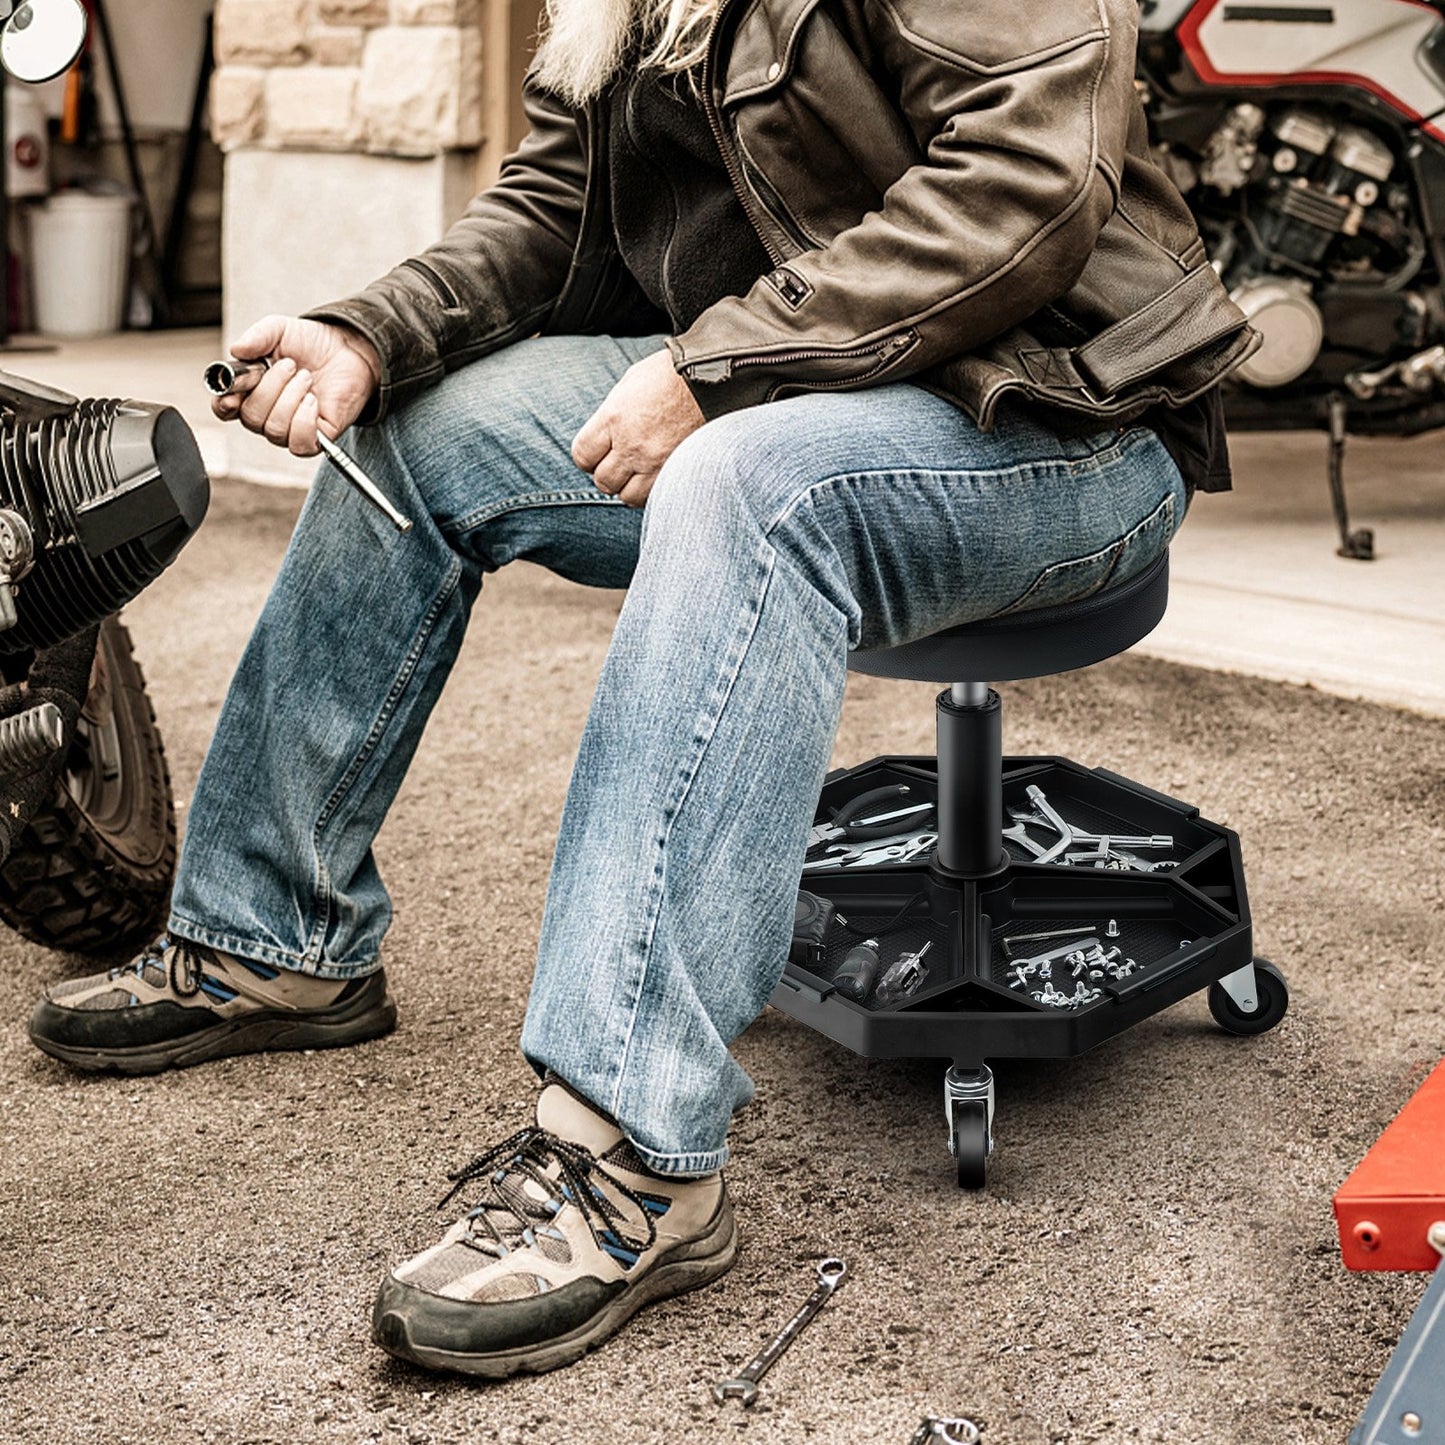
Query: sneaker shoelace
[
  {"x": 529, "y": 1155},
  {"x": 182, "y": 969}
]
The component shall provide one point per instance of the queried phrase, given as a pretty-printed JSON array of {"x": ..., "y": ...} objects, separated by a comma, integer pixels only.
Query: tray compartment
[{"x": 1100, "y": 803}]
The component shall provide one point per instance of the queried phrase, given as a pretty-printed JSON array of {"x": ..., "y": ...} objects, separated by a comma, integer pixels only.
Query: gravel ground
[{"x": 193, "y": 1257}]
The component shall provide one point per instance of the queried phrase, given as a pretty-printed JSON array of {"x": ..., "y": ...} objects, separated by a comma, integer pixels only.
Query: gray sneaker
[
  {"x": 179, "y": 1004},
  {"x": 569, "y": 1238}
]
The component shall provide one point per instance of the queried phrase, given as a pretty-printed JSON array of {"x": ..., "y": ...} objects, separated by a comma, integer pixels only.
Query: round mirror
[{"x": 42, "y": 39}]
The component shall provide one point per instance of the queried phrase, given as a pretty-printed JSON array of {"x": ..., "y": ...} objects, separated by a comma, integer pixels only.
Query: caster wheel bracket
[
  {"x": 968, "y": 1105},
  {"x": 1243, "y": 987}
]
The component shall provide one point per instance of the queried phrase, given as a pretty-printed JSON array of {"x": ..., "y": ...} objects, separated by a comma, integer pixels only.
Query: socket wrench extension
[{"x": 236, "y": 378}]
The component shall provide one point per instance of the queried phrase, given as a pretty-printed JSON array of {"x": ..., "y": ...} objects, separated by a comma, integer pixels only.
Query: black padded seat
[{"x": 1031, "y": 644}]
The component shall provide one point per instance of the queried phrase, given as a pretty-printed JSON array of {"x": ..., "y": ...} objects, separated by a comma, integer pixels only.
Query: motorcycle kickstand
[{"x": 1358, "y": 545}]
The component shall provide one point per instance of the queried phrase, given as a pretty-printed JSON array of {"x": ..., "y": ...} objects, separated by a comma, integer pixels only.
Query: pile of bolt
[
  {"x": 1086, "y": 958},
  {"x": 1074, "y": 845}
]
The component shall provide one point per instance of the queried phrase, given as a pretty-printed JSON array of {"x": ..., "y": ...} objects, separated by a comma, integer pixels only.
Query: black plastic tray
[{"x": 1186, "y": 926}]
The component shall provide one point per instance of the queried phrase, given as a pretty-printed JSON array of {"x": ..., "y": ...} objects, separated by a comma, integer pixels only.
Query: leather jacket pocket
[{"x": 1081, "y": 577}]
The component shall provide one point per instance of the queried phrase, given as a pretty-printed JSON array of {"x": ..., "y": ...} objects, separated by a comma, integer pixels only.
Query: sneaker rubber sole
[
  {"x": 399, "y": 1316},
  {"x": 362, "y": 1017}
]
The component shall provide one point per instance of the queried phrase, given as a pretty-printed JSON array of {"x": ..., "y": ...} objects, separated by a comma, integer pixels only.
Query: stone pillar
[{"x": 352, "y": 130}]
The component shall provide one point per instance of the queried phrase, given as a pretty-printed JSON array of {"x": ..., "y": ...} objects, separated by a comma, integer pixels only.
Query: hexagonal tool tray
[{"x": 965, "y": 1007}]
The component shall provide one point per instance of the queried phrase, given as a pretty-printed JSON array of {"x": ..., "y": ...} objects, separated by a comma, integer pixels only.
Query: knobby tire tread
[{"x": 65, "y": 884}]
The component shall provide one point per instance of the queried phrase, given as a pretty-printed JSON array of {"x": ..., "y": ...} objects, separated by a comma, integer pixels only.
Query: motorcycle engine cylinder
[{"x": 111, "y": 493}]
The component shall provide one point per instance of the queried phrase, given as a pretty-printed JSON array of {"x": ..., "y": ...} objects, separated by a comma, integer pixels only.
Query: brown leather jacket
[{"x": 955, "y": 192}]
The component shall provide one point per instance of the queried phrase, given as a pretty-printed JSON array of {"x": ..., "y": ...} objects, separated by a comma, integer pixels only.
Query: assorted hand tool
[
  {"x": 235, "y": 378},
  {"x": 901, "y": 849},
  {"x": 862, "y": 834},
  {"x": 904, "y": 977},
  {"x": 858, "y": 970},
  {"x": 945, "y": 1430},
  {"x": 744, "y": 1386},
  {"x": 812, "y": 920},
  {"x": 868, "y": 833},
  {"x": 875, "y": 828},
  {"x": 1011, "y": 942},
  {"x": 1076, "y": 846}
]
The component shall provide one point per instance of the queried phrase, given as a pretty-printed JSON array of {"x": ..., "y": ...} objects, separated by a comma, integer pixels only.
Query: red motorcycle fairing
[{"x": 1368, "y": 44}]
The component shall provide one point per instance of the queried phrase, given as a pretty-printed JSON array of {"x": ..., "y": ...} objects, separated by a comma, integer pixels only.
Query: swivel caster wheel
[
  {"x": 970, "y": 1143},
  {"x": 968, "y": 1103},
  {"x": 1231, "y": 998}
]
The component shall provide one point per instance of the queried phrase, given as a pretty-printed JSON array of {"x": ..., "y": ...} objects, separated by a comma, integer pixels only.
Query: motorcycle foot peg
[{"x": 31, "y": 738}]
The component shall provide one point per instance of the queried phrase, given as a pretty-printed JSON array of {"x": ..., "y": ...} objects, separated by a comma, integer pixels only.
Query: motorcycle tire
[{"x": 92, "y": 871}]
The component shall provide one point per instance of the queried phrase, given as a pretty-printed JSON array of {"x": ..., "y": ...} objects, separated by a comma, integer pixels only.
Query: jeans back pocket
[{"x": 1081, "y": 577}]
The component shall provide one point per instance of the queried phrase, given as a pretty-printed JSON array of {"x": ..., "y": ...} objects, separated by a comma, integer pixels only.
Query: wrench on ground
[{"x": 745, "y": 1386}]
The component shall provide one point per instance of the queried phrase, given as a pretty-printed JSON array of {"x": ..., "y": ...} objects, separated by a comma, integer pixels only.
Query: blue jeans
[{"x": 775, "y": 540}]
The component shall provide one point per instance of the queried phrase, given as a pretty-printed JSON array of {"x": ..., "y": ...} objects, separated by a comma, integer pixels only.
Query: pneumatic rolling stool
[{"x": 1022, "y": 907}]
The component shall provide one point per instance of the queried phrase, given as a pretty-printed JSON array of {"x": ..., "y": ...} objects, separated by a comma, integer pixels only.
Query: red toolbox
[
  {"x": 1391, "y": 1214},
  {"x": 1386, "y": 1207}
]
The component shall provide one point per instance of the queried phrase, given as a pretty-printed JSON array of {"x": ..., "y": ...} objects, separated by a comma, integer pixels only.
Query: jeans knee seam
[
  {"x": 716, "y": 703},
  {"x": 452, "y": 531},
  {"x": 369, "y": 745}
]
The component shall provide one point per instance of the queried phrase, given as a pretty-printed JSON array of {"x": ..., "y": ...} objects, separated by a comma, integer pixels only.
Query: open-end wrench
[
  {"x": 1020, "y": 835},
  {"x": 745, "y": 1386},
  {"x": 949, "y": 1430},
  {"x": 901, "y": 852}
]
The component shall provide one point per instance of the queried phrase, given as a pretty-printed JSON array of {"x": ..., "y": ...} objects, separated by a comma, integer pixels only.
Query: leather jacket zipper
[
  {"x": 730, "y": 161},
  {"x": 825, "y": 353},
  {"x": 434, "y": 281},
  {"x": 773, "y": 203},
  {"x": 752, "y": 204},
  {"x": 723, "y": 367}
]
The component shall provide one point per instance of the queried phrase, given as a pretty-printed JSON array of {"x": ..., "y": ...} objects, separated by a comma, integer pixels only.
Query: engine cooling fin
[{"x": 110, "y": 491}]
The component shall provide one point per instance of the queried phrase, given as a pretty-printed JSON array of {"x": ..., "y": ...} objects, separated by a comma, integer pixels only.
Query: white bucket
[{"x": 80, "y": 250}]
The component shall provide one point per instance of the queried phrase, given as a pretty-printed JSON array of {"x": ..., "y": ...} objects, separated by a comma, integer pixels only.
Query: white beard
[{"x": 587, "y": 41}]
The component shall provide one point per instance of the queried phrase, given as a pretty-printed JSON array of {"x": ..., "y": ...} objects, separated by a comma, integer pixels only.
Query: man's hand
[
  {"x": 636, "y": 428},
  {"x": 321, "y": 376}
]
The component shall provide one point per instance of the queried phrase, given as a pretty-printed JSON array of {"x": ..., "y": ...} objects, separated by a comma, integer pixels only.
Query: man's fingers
[
  {"x": 259, "y": 339},
  {"x": 303, "y": 428},
  {"x": 264, "y": 395},
  {"x": 592, "y": 443},
  {"x": 612, "y": 474},
  {"x": 228, "y": 408},
  {"x": 283, "y": 413},
  {"x": 637, "y": 491}
]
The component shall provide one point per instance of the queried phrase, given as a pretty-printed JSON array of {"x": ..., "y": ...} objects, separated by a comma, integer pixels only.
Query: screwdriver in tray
[{"x": 235, "y": 378}]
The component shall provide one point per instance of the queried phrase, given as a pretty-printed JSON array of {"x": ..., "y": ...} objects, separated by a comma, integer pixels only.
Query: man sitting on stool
[{"x": 814, "y": 286}]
